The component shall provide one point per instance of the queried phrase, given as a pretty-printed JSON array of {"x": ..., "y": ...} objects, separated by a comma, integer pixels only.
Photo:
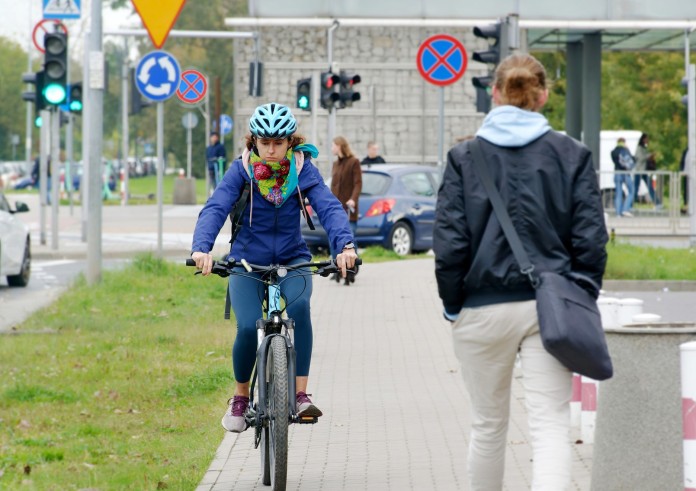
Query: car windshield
[{"x": 374, "y": 184}]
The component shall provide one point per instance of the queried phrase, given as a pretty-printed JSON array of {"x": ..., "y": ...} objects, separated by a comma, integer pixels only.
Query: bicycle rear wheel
[{"x": 274, "y": 438}]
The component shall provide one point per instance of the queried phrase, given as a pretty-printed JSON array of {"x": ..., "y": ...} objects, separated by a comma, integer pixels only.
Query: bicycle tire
[
  {"x": 277, "y": 407},
  {"x": 265, "y": 457}
]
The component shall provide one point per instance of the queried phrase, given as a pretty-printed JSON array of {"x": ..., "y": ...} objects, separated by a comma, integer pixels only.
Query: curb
[{"x": 649, "y": 285}]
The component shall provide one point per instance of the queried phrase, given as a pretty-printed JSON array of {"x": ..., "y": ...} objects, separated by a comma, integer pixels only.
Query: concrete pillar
[
  {"x": 573, "y": 117},
  {"x": 592, "y": 93}
]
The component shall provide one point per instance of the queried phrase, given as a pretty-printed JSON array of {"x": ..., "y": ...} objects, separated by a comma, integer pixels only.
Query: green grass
[
  {"x": 142, "y": 188},
  {"x": 127, "y": 395},
  {"x": 632, "y": 262}
]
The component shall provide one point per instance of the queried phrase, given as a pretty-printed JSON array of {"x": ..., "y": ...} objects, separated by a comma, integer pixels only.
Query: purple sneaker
[
  {"x": 305, "y": 406},
  {"x": 233, "y": 420}
]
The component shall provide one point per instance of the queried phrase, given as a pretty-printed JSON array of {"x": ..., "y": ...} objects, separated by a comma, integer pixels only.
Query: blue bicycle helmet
[{"x": 272, "y": 121}]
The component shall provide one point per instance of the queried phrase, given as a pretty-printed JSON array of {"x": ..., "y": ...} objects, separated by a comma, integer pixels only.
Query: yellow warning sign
[{"x": 158, "y": 17}]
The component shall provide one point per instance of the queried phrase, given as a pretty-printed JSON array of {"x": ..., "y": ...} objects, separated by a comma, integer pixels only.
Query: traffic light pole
[
  {"x": 55, "y": 176},
  {"x": 332, "y": 111},
  {"x": 314, "y": 104},
  {"x": 124, "y": 131},
  {"x": 69, "y": 159},
  {"x": 95, "y": 108},
  {"x": 43, "y": 171}
]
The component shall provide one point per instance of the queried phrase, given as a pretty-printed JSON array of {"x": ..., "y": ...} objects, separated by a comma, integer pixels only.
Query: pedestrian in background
[
  {"x": 643, "y": 157},
  {"x": 346, "y": 184},
  {"x": 548, "y": 184},
  {"x": 216, "y": 157},
  {"x": 623, "y": 162},
  {"x": 373, "y": 156}
]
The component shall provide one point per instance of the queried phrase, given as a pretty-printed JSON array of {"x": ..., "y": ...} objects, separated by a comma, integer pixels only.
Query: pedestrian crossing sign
[{"x": 61, "y": 9}]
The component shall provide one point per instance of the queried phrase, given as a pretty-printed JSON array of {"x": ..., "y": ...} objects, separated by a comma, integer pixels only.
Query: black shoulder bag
[{"x": 569, "y": 320}]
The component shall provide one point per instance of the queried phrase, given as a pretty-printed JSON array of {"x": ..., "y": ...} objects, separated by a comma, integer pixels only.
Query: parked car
[
  {"x": 15, "y": 247},
  {"x": 396, "y": 209}
]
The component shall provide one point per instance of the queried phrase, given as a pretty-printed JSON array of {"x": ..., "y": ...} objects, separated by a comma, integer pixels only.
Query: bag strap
[{"x": 526, "y": 267}]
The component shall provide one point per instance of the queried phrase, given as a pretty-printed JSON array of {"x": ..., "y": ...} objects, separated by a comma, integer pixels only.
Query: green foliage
[
  {"x": 640, "y": 91},
  {"x": 13, "y": 61},
  {"x": 632, "y": 262}
]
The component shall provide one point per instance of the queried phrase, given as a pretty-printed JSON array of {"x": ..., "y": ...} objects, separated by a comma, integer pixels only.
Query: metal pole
[
  {"x": 69, "y": 159},
  {"x": 55, "y": 176},
  {"x": 30, "y": 110},
  {"x": 691, "y": 164},
  {"x": 95, "y": 97},
  {"x": 314, "y": 104},
  {"x": 206, "y": 115},
  {"x": 43, "y": 170},
  {"x": 160, "y": 172},
  {"x": 124, "y": 130},
  {"x": 441, "y": 132},
  {"x": 189, "y": 144},
  {"x": 84, "y": 180},
  {"x": 332, "y": 112}
]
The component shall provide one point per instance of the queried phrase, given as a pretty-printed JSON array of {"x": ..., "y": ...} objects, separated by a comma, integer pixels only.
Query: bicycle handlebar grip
[
  {"x": 358, "y": 261},
  {"x": 190, "y": 262}
]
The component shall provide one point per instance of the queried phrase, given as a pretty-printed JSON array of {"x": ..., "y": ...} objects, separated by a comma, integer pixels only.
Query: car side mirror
[{"x": 21, "y": 207}]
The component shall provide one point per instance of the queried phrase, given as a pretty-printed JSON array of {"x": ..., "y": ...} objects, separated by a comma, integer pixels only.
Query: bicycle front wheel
[{"x": 274, "y": 438}]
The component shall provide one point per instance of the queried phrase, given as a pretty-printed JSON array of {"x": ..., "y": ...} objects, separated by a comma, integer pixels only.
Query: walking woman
[
  {"x": 277, "y": 162},
  {"x": 346, "y": 184},
  {"x": 549, "y": 186}
]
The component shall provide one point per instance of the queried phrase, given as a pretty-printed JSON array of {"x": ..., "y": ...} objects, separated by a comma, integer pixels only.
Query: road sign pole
[
  {"x": 189, "y": 145},
  {"x": 160, "y": 172},
  {"x": 43, "y": 170},
  {"x": 124, "y": 131},
  {"x": 206, "y": 114},
  {"x": 691, "y": 140},
  {"x": 95, "y": 108},
  {"x": 55, "y": 176},
  {"x": 441, "y": 131},
  {"x": 69, "y": 167}
]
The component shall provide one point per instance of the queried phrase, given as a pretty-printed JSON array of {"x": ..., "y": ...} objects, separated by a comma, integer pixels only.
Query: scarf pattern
[{"x": 275, "y": 180}]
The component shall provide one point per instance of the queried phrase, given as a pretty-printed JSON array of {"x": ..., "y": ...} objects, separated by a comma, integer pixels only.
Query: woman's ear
[
  {"x": 496, "y": 95},
  {"x": 543, "y": 98}
]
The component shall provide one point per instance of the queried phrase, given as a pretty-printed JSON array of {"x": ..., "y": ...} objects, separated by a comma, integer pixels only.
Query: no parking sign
[{"x": 441, "y": 59}]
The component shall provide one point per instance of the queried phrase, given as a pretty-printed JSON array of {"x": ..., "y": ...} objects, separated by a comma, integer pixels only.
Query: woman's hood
[{"x": 510, "y": 126}]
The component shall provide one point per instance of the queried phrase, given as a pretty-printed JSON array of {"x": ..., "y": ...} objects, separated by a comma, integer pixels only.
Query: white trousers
[{"x": 486, "y": 341}]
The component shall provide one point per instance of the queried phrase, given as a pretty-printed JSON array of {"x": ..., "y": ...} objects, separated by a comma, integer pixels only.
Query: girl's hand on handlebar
[
  {"x": 204, "y": 262},
  {"x": 346, "y": 260}
]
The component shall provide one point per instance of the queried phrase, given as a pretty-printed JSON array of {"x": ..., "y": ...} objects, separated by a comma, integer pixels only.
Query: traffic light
[
  {"x": 137, "y": 102},
  {"x": 36, "y": 79},
  {"x": 304, "y": 94},
  {"x": 498, "y": 48},
  {"x": 347, "y": 94},
  {"x": 484, "y": 86},
  {"x": 329, "y": 97},
  {"x": 75, "y": 98},
  {"x": 55, "y": 68}
]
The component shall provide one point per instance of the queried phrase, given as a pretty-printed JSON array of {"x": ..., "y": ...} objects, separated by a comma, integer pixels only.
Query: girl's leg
[{"x": 246, "y": 296}]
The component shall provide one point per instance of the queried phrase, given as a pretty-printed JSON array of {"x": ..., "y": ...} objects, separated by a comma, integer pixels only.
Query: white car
[{"x": 15, "y": 252}]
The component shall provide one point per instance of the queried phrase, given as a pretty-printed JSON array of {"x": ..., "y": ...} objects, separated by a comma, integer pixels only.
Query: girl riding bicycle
[{"x": 277, "y": 163}]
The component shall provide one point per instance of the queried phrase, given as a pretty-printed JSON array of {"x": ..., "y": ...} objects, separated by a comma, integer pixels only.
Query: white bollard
[
  {"x": 628, "y": 307},
  {"x": 590, "y": 389},
  {"x": 576, "y": 401},
  {"x": 688, "y": 390},
  {"x": 608, "y": 310},
  {"x": 646, "y": 318}
]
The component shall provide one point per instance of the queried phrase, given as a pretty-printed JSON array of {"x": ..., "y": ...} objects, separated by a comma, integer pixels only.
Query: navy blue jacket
[
  {"x": 274, "y": 235},
  {"x": 213, "y": 153}
]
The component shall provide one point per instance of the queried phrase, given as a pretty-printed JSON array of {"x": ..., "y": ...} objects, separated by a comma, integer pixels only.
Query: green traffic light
[
  {"x": 303, "y": 102},
  {"x": 55, "y": 94},
  {"x": 75, "y": 106},
  {"x": 38, "y": 121}
]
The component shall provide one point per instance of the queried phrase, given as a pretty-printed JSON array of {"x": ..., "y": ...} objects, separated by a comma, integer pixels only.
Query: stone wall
[{"x": 398, "y": 108}]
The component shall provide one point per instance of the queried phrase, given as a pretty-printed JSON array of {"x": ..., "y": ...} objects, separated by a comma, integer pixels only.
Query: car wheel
[
  {"x": 401, "y": 239},
  {"x": 22, "y": 279}
]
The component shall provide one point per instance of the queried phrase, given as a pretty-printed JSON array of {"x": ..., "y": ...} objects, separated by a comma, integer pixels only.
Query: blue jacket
[
  {"x": 274, "y": 235},
  {"x": 213, "y": 153}
]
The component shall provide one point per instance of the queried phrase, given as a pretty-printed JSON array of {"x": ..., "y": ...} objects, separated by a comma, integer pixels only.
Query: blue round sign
[
  {"x": 441, "y": 59},
  {"x": 225, "y": 124},
  {"x": 157, "y": 76}
]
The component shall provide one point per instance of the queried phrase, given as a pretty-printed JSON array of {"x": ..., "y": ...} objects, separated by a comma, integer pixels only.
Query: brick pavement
[{"x": 395, "y": 409}]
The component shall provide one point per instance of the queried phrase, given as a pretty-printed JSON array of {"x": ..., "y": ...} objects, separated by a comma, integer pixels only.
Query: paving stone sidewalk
[{"x": 395, "y": 409}]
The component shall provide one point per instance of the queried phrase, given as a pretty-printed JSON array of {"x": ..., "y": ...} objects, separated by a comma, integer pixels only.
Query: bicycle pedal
[{"x": 307, "y": 420}]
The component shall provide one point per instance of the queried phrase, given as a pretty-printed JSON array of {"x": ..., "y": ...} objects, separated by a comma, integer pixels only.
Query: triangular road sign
[{"x": 158, "y": 17}]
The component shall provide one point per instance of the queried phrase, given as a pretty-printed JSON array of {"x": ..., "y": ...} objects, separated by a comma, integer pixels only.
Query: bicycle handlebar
[{"x": 224, "y": 268}]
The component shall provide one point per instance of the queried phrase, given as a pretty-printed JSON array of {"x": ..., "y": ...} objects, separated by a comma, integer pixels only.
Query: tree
[{"x": 13, "y": 61}]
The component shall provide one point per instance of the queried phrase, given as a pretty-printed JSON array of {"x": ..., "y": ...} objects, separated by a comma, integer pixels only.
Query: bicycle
[{"x": 275, "y": 408}]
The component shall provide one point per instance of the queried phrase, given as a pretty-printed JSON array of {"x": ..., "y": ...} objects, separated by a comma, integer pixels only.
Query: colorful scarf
[{"x": 275, "y": 180}]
